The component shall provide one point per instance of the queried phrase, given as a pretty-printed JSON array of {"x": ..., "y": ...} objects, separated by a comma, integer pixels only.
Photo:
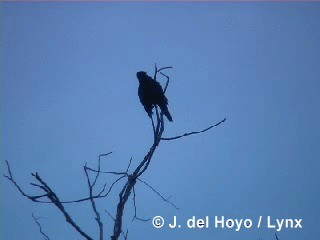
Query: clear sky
[{"x": 69, "y": 93}]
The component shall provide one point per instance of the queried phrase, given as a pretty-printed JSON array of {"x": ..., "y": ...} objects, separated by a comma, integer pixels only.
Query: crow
[{"x": 151, "y": 94}]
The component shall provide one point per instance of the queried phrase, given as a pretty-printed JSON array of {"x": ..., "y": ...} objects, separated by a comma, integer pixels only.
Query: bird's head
[{"x": 141, "y": 75}]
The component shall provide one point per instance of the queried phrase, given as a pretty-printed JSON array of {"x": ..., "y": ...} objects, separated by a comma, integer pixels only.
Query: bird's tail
[{"x": 167, "y": 113}]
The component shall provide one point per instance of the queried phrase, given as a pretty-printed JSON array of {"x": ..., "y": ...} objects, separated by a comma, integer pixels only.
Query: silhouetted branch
[
  {"x": 167, "y": 83},
  {"x": 110, "y": 215},
  {"x": 50, "y": 194},
  {"x": 125, "y": 235},
  {"x": 107, "y": 172},
  {"x": 55, "y": 200},
  {"x": 156, "y": 70},
  {"x": 45, "y": 236},
  {"x": 163, "y": 68},
  {"x": 93, "y": 203},
  {"x": 129, "y": 165},
  {"x": 11, "y": 179},
  {"x": 163, "y": 198},
  {"x": 135, "y": 209},
  {"x": 99, "y": 164},
  {"x": 192, "y": 133}
]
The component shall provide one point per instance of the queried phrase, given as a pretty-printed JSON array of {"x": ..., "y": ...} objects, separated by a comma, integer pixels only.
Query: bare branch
[
  {"x": 45, "y": 236},
  {"x": 110, "y": 215},
  {"x": 163, "y": 198},
  {"x": 50, "y": 194},
  {"x": 99, "y": 164},
  {"x": 55, "y": 200},
  {"x": 93, "y": 203},
  {"x": 153, "y": 128},
  {"x": 135, "y": 208},
  {"x": 100, "y": 195},
  {"x": 156, "y": 70},
  {"x": 129, "y": 165},
  {"x": 91, "y": 197},
  {"x": 111, "y": 172},
  {"x": 163, "y": 68},
  {"x": 192, "y": 133},
  {"x": 167, "y": 83},
  {"x": 123, "y": 198},
  {"x": 11, "y": 179},
  {"x": 125, "y": 235}
]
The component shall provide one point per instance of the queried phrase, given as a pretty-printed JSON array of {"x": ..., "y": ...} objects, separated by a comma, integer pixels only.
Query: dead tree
[{"x": 130, "y": 179}]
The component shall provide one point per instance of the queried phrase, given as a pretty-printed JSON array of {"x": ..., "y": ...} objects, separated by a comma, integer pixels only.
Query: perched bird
[{"x": 151, "y": 94}]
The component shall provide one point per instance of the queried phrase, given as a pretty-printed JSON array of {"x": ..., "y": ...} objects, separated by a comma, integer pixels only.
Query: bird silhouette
[{"x": 151, "y": 94}]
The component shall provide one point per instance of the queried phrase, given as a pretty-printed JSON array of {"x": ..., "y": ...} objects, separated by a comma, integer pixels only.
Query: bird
[{"x": 151, "y": 94}]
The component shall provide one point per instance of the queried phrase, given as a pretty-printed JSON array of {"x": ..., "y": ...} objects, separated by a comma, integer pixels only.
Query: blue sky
[{"x": 69, "y": 93}]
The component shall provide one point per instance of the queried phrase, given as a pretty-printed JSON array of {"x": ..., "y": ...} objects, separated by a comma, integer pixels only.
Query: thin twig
[
  {"x": 129, "y": 165},
  {"x": 163, "y": 68},
  {"x": 100, "y": 195},
  {"x": 99, "y": 164},
  {"x": 106, "y": 172},
  {"x": 167, "y": 83},
  {"x": 135, "y": 208},
  {"x": 192, "y": 133},
  {"x": 93, "y": 203},
  {"x": 45, "y": 236},
  {"x": 163, "y": 198}
]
